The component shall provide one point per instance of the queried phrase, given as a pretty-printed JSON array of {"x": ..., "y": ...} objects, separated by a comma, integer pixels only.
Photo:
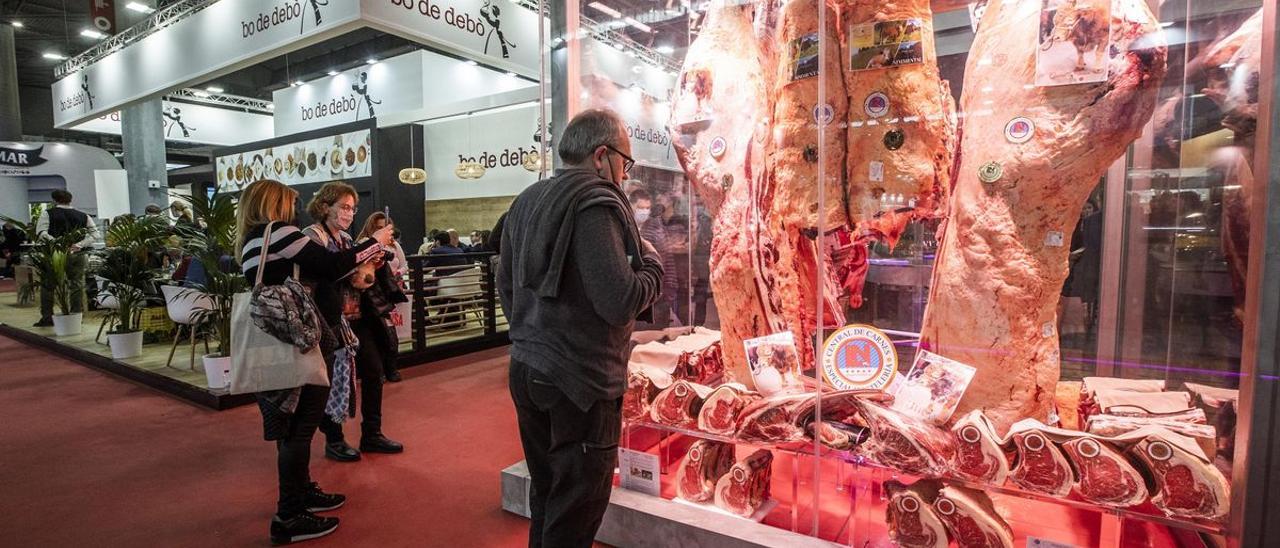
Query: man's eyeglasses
[{"x": 627, "y": 161}]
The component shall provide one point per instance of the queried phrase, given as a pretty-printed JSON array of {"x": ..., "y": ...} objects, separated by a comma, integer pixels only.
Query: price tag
[
  {"x": 639, "y": 471},
  {"x": 1053, "y": 239},
  {"x": 876, "y": 171}
]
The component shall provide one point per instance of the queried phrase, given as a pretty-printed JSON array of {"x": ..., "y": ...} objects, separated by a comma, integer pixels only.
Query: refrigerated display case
[{"x": 1029, "y": 220}]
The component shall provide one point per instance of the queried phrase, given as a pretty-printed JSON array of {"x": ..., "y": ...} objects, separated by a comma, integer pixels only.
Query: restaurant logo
[
  {"x": 859, "y": 357},
  {"x": 21, "y": 157},
  {"x": 174, "y": 114},
  {"x": 362, "y": 89},
  {"x": 488, "y": 25},
  {"x": 85, "y": 97},
  {"x": 493, "y": 15},
  {"x": 284, "y": 13}
]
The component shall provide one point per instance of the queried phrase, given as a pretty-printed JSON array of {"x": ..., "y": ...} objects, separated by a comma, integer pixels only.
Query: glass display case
[{"x": 940, "y": 270}]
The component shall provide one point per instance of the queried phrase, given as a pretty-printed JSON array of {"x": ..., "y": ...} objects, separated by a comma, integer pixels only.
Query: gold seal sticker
[
  {"x": 859, "y": 357},
  {"x": 990, "y": 172}
]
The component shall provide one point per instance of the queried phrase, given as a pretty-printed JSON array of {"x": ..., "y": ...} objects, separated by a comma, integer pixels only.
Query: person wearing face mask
[
  {"x": 574, "y": 275},
  {"x": 654, "y": 232},
  {"x": 333, "y": 208}
]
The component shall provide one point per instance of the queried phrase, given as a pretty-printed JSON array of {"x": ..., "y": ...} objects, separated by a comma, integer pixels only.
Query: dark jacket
[{"x": 572, "y": 282}]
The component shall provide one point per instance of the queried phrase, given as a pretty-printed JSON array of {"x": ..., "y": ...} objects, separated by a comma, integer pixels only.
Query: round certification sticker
[
  {"x": 823, "y": 114},
  {"x": 876, "y": 105},
  {"x": 1019, "y": 130},
  {"x": 859, "y": 357},
  {"x": 717, "y": 147}
]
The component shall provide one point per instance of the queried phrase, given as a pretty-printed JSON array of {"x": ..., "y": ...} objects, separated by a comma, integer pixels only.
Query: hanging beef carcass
[
  {"x": 1103, "y": 475},
  {"x": 1028, "y": 158},
  {"x": 901, "y": 133},
  {"x": 910, "y": 515},
  {"x": 972, "y": 519},
  {"x": 746, "y": 487},
  {"x": 1186, "y": 483},
  {"x": 979, "y": 455},
  {"x": 706, "y": 462}
]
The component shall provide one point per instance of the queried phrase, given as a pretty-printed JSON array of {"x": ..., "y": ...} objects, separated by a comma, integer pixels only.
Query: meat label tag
[
  {"x": 773, "y": 360},
  {"x": 932, "y": 388},
  {"x": 1019, "y": 130},
  {"x": 822, "y": 114},
  {"x": 876, "y": 105},
  {"x": 876, "y": 171},
  {"x": 1053, "y": 239},
  {"x": 1074, "y": 40},
  {"x": 639, "y": 471},
  {"x": 885, "y": 44},
  {"x": 802, "y": 57},
  {"x": 717, "y": 147},
  {"x": 859, "y": 356}
]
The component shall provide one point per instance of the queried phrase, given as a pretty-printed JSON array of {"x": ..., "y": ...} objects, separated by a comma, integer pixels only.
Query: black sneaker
[
  {"x": 320, "y": 501},
  {"x": 44, "y": 322},
  {"x": 304, "y": 526}
]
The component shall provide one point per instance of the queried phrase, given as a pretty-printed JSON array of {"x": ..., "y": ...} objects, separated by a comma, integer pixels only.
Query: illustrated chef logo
[
  {"x": 21, "y": 157},
  {"x": 492, "y": 15},
  {"x": 315, "y": 10},
  {"x": 859, "y": 357},
  {"x": 285, "y": 13},
  {"x": 362, "y": 89},
  {"x": 174, "y": 115}
]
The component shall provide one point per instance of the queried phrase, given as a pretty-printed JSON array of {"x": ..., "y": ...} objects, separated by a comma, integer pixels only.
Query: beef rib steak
[
  {"x": 910, "y": 515},
  {"x": 706, "y": 462},
  {"x": 1186, "y": 484},
  {"x": 746, "y": 487},
  {"x": 979, "y": 455},
  {"x": 972, "y": 519},
  {"x": 1103, "y": 475}
]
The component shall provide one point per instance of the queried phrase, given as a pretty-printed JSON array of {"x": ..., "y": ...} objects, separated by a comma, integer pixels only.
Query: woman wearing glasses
[{"x": 334, "y": 208}]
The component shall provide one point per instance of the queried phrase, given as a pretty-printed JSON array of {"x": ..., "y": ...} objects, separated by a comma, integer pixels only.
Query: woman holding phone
[
  {"x": 376, "y": 330},
  {"x": 290, "y": 416}
]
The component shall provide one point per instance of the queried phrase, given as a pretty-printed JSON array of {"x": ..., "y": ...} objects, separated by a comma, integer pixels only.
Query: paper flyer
[
  {"x": 1075, "y": 36},
  {"x": 774, "y": 361},
  {"x": 885, "y": 44},
  {"x": 932, "y": 389}
]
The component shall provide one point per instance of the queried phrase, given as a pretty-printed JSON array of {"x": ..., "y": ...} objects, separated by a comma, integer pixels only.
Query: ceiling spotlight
[
  {"x": 214, "y": 89},
  {"x": 297, "y": 83},
  {"x": 90, "y": 33},
  {"x": 201, "y": 94},
  {"x": 472, "y": 62},
  {"x": 55, "y": 56},
  {"x": 371, "y": 61},
  {"x": 665, "y": 49},
  {"x": 333, "y": 73},
  {"x": 140, "y": 8},
  {"x": 604, "y": 9},
  {"x": 271, "y": 106},
  {"x": 16, "y": 24},
  {"x": 512, "y": 75}
]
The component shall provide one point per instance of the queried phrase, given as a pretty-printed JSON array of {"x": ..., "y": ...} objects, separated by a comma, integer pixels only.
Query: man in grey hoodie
[{"x": 573, "y": 276}]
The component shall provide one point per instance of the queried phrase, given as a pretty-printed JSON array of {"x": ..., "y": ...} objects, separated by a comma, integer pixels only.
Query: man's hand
[{"x": 649, "y": 250}]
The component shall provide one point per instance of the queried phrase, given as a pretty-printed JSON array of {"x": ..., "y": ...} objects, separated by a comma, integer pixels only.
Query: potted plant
[
  {"x": 49, "y": 258},
  {"x": 128, "y": 278},
  {"x": 211, "y": 243}
]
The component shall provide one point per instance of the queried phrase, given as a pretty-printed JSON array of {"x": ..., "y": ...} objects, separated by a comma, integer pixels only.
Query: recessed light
[
  {"x": 665, "y": 49},
  {"x": 297, "y": 83},
  {"x": 214, "y": 89},
  {"x": 333, "y": 73},
  {"x": 140, "y": 8},
  {"x": 511, "y": 74},
  {"x": 201, "y": 94},
  {"x": 54, "y": 56},
  {"x": 472, "y": 63},
  {"x": 90, "y": 33},
  {"x": 371, "y": 61},
  {"x": 271, "y": 106},
  {"x": 16, "y": 24}
]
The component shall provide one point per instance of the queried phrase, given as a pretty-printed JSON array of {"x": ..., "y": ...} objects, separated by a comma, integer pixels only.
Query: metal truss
[
  {"x": 160, "y": 19},
  {"x": 224, "y": 100}
]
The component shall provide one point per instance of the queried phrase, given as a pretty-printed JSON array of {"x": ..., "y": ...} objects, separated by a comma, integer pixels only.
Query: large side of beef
[
  {"x": 706, "y": 462},
  {"x": 999, "y": 270},
  {"x": 912, "y": 521},
  {"x": 746, "y": 487}
]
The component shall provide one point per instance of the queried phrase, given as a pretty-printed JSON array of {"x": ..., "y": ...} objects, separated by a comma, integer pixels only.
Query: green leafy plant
[
  {"x": 49, "y": 257},
  {"x": 212, "y": 243},
  {"x": 125, "y": 267},
  {"x": 27, "y": 227}
]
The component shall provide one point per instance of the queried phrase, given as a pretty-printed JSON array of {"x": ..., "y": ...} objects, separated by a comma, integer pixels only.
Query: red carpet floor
[{"x": 92, "y": 460}]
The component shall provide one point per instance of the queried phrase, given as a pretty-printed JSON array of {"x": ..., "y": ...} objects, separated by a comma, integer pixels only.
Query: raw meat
[
  {"x": 721, "y": 94},
  {"x": 720, "y": 411},
  {"x": 1186, "y": 483},
  {"x": 910, "y": 515},
  {"x": 641, "y": 390},
  {"x": 972, "y": 519},
  {"x": 840, "y": 427},
  {"x": 772, "y": 420},
  {"x": 746, "y": 487},
  {"x": 1190, "y": 424},
  {"x": 701, "y": 366},
  {"x": 679, "y": 404},
  {"x": 1041, "y": 466},
  {"x": 905, "y": 443},
  {"x": 1103, "y": 475},
  {"x": 911, "y": 180},
  {"x": 706, "y": 462},
  {"x": 978, "y": 453},
  {"x": 1000, "y": 267},
  {"x": 1067, "y": 403}
]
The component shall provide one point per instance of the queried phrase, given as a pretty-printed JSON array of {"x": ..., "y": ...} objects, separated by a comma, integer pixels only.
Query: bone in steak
[
  {"x": 706, "y": 462},
  {"x": 746, "y": 487},
  {"x": 972, "y": 519},
  {"x": 919, "y": 108},
  {"x": 910, "y": 515},
  {"x": 641, "y": 390},
  {"x": 1041, "y": 466},
  {"x": 999, "y": 270},
  {"x": 978, "y": 453},
  {"x": 1191, "y": 424},
  {"x": 1103, "y": 475},
  {"x": 1186, "y": 484},
  {"x": 703, "y": 365},
  {"x": 905, "y": 443},
  {"x": 679, "y": 404},
  {"x": 772, "y": 420},
  {"x": 720, "y": 411}
]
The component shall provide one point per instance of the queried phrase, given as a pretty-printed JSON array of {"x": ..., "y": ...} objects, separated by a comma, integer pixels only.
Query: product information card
[
  {"x": 932, "y": 389},
  {"x": 639, "y": 471}
]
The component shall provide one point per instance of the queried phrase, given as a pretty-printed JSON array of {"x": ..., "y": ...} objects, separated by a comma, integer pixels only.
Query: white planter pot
[
  {"x": 68, "y": 325},
  {"x": 217, "y": 371},
  {"x": 125, "y": 345}
]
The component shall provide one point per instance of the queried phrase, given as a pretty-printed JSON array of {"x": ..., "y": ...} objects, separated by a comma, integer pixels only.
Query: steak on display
[
  {"x": 979, "y": 455},
  {"x": 641, "y": 390},
  {"x": 1040, "y": 465},
  {"x": 706, "y": 462},
  {"x": 905, "y": 443},
  {"x": 1103, "y": 475},
  {"x": 910, "y": 515},
  {"x": 772, "y": 420},
  {"x": 720, "y": 411},
  {"x": 1186, "y": 483},
  {"x": 746, "y": 487},
  {"x": 679, "y": 404},
  {"x": 972, "y": 519}
]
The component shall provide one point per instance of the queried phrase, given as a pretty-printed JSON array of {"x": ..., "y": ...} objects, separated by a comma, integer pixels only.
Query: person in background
[
  {"x": 56, "y": 221},
  {"x": 653, "y": 231},
  {"x": 153, "y": 210},
  {"x": 429, "y": 242},
  {"x": 376, "y": 329},
  {"x": 290, "y": 416},
  {"x": 11, "y": 250},
  {"x": 182, "y": 215},
  {"x": 572, "y": 304},
  {"x": 454, "y": 240},
  {"x": 333, "y": 208},
  {"x": 444, "y": 247}
]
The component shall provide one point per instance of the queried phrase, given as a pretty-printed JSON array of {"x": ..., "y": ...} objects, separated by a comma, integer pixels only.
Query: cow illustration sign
[{"x": 859, "y": 357}]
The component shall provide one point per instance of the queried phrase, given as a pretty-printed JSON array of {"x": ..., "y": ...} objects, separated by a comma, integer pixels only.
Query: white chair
[
  {"x": 182, "y": 304},
  {"x": 105, "y": 301},
  {"x": 463, "y": 285}
]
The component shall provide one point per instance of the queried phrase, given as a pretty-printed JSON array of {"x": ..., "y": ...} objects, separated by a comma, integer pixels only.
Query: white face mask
[{"x": 642, "y": 215}]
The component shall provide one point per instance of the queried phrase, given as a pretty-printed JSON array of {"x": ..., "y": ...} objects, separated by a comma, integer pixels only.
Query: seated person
[{"x": 440, "y": 254}]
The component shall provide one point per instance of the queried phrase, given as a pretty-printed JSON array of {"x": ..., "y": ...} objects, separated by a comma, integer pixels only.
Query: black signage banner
[{"x": 21, "y": 157}]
